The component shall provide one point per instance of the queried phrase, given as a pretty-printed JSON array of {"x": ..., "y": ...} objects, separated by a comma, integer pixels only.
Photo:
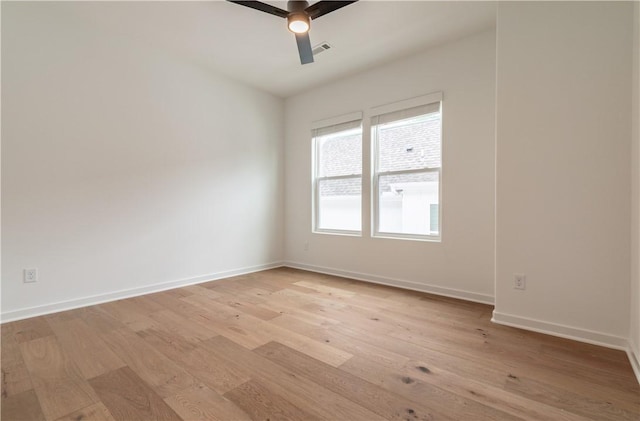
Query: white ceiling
[{"x": 256, "y": 48}]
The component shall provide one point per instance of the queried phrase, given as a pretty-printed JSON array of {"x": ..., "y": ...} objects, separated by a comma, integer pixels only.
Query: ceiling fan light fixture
[
  {"x": 299, "y": 15},
  {"x": 298, "y": 22}
]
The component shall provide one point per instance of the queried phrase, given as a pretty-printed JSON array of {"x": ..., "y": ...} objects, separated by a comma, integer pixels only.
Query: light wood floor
[{"x": 289, "y": 344}]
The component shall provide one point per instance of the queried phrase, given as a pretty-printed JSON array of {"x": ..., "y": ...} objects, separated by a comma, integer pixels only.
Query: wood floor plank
[
  {"x": 546, "y": 371},
  {"x": 163, "y": 375},
  {"x": 361, "y": 288},
  {"x": 15, "y": 380},
  {"x": 488, "y": 370},
  {"x": 452, "y": 337},
  {"x": 569, "y": 401},
  {"x": 145, "y": 304},
  {"x": 15, "y": 377},
  {"x": 316, "y": 301},
  {"x": 601, "y": 376},
  {"x": 253, "y": 295},
  {"x": 200, "y": 363},
  {"x": 430, "y": 402},
  {"x": 322, "y": 351},
  {"x": 202, "y": 291},
  {"x": 129, "y": 314},
  {"x": 129, "y": 398},
  {"x": 280, "y": 303},
  {"x": 485, "y": 394},
  {"x": 29, "y": 329},
  {"x": 413, "y": 374},
  {"x": 261, "y": 403},
  {"x": 329, "y": 290},
  {"x": 311, "y": 319},
  {"x": 415, "y": 344},
  {"x": 249, "y": 308},
  {"x": 173, "y": 302},
  {"x": 615, "y": 363},
  {"x": 301, "y": 392},
  {"x": 269, "y": 332},
  {"x": 189, "y": 329},
  {"x": 469, "y": 341},
  {"x": 382, "y": 360},
  {"x": 99, "y": 320},
  {"x": 95, "y": 412},
  {"x": 263, "y": 280},
  {"x": 355, "y": 346},
  {"x": 224, "y": 322},
  {"x": 167, "y": 343},
  {"x": 10, "y": 349},
  {"x": 58, "y": 383},
  {"x": 21, "y": 407},
  {"x": 199, "y": 403},
  {"x": 89, "y": 352}
]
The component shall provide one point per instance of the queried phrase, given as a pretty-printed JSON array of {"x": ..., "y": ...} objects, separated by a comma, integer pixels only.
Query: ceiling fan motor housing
[{"x": 297, "y": 6}]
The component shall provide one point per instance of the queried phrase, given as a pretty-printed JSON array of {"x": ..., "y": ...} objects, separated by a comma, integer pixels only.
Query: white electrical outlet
[
  {"x": 519, "y": 281},
  {"x": 30, "y": 275},
  {"x": 306, "y": 246}
]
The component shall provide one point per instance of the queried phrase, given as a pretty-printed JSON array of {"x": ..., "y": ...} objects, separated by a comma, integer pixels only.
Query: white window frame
[
  {"x": 347, "y": 118},
  {"x": 376, "y": 174}
]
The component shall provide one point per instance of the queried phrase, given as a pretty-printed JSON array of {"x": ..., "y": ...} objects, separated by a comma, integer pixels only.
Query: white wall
[
  {"x": 124, "y": 167},
  {"x": 465, "y": 72},
  {"x": 634, "y": 337},
  {"x": 563, "y": 167}
]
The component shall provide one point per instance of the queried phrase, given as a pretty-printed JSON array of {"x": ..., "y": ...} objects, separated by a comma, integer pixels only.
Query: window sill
[
  {"x": 421, "y": 238},
  {"x": 340, "y": 233}
]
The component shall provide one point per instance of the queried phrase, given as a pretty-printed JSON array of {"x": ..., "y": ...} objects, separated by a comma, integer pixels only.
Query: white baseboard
[
  {"x": 24, "y": 313},
  {"x": 634, "y": 359},
  {"x": 415, "y": 286},
  {"x": 562, "y": 331}
]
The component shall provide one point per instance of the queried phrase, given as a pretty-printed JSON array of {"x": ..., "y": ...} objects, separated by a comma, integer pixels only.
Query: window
[
  {"x": 406, "y": 169},
  {"x": 338, "y": 175}
]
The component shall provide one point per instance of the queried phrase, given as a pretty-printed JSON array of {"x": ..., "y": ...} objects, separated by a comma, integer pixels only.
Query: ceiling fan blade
[
  {"x": 304, "y": 48},
  {"x": 321, "y": 8},
  {"x": 263, "y": 7}
]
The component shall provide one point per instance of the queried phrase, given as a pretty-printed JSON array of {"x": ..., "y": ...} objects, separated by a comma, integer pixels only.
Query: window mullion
[
  {"x": 339, "y": 177},
  {"x": 413, "y": 171}
]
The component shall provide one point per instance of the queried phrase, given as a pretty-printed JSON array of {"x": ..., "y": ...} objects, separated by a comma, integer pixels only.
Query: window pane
[
  {"x": 340, "y": 153},
  {"x": 409, "y": 144},
  {"x": 339, "y": 204},
  {"x": 434, "y": 222},
  {"x": 409, "y": 203}
]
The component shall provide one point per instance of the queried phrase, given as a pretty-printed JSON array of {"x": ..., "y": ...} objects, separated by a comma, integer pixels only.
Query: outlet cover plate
[{"x": 30, "y": 275}]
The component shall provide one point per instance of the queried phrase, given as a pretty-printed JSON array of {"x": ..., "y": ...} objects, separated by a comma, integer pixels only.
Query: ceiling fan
[{"x": 299, "y": 17}]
